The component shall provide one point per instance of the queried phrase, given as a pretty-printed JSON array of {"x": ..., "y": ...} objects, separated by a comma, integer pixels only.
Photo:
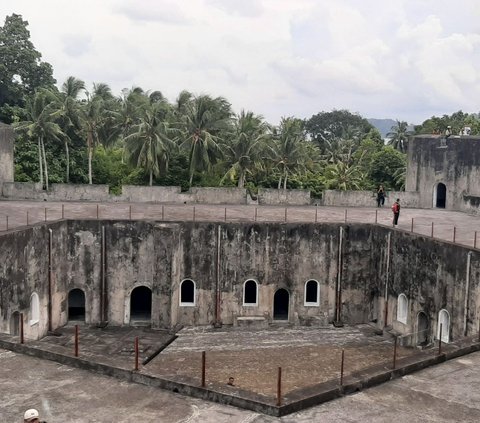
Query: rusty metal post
[
  {"x": 475, "y": 240},
  {"x": 7, "y": 223},
  {"x": 440, "y": 340},
  {"x": 345, "y": 215},
  {"x": 163, "y": 212},
  {"x": 63, "y": 211},
  {"x": 76, "y": 340},
  {"x": 479, "y": 330},
  {"x": 411, "y": 227},
  {"x": 45, "y": 214},
  {"x": 316, "y": 214},
  {"x": 342, "y": 367},
  {"x": 255, "y": 219},
  {"x": 130, "y": 212},
  {"x": 203, "y": 369},
  {"x": 376, "y": 217},
  {"x": 225, "y": 214},
  {"x": 279, "y": 387},
  {"x": 454, "y": 233},
  {"x": 98, "y": 211},
  {"x": 432, "y": 231},
  {"x": 194, "y": 213},
  {"x": 27, "y": 217},
  {"x": 285, "y": 214},
  {"x": 22, "y": 339},
  {"x": 395, "y": 353},
  {"x": 136, "y": 353}
]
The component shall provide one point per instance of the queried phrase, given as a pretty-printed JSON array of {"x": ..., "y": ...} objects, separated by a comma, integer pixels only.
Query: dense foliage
[{"x": 82, "y": 134}]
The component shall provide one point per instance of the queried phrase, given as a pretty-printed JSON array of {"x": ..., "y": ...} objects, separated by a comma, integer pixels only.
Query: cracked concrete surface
[{"x": 449, "y": 392}]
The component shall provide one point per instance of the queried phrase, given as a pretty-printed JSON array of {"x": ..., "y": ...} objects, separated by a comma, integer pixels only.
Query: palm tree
[
  {"x": 288, "y": 150},
  {"x": 68, "y": 113},
  {"x": 91, "y": 120},
  {"x": 202, "y": 124},
  {"x": 249, "y": 131},
  {"x": 41, "y": 126},
  {"x": 150, "y": 144},
  {"x": 344, "y": 176},
  {"x": 398, "y": 136}
]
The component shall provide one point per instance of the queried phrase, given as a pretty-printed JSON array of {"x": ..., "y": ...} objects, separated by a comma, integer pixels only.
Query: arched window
[
  {"x": 250, "y": 293},
  {"x": 312, "y": 293},
  {"x": 187, "y": 293},
  {"x": 444, "y": 321},
  {"x": 34, "y": 309},
  {"x": 402, "y": 308}
]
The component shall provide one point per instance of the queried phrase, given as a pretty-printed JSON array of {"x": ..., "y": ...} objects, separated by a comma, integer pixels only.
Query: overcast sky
[{"x": 401, "y": 59}]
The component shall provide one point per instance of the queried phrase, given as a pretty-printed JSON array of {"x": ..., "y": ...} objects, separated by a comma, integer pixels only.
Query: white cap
[{"x": 30, "y": 414}]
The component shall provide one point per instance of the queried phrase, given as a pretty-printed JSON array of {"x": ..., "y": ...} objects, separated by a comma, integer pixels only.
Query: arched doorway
[
  {"x": 15, "y": 323},
  {"x": 76, "y": 305},
  {"x": 443, "y": 326},
  {"x": 422, "y": 329},
  {"x": 141, "y": 304},
  {"x": 441, "y": 196},
  {"x": 281, "y": 301}
]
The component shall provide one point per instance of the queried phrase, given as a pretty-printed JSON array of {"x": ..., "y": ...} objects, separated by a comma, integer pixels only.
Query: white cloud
[{"x": 402, "y": 59}]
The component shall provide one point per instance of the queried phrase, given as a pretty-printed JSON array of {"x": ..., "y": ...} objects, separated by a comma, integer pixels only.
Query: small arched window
[
  {"x": 250, "y": 293},
  {"x": 312, "y": 293},
  {"x": 402, "y": 308},
  {"x": 34, "y": 309},
  {"x": 444, "y": 324},
  {"x": 187, "y": 293}
]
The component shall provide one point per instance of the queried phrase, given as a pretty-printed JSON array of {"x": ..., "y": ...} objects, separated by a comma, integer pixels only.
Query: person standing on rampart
[{"x": 396, "y": 211}]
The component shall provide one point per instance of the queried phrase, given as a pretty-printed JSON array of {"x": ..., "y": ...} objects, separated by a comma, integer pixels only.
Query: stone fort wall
[{"x": 108, "y": 260}]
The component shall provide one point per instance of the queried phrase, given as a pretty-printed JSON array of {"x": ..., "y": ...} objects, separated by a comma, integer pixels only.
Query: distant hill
[{"x": 384, "y": 126}]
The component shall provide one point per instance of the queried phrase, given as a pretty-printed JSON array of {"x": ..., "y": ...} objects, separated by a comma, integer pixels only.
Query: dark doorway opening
[
  {"x": 250, "y": 295},
  {"x": 441, "y": 196},
  {"x": 15, "y": 324},
  {"x": 141, "y": 304},
  {"x": 76, "y": 305},
  {"x": 422, "y": 329},
  {"x": 281, "y": 301}
]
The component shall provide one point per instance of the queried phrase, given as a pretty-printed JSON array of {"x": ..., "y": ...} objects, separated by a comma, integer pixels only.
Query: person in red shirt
[{"x": 396, "y": 211}]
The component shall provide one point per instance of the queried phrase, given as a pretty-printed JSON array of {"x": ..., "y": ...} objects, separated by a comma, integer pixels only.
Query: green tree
[
  {"x": 398, "y": 136},
  {"x": 41, "y": 126},
  {"x": 288, "y": 150},
  {"x": 387, "y": 167},
  {"x": 21, "y": 68},
  {"x": 204, "y": 123},
  {"x": 243, "y": 151},
  {"x": 98, "y": 121},
  {"x": 325, "y": 127},
  {"x": 68, "y": 114},
  {"x": 150, "y": 144}
]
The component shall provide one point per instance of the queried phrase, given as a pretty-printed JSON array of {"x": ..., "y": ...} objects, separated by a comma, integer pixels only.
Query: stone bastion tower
[{"x": 445, "y": 171}]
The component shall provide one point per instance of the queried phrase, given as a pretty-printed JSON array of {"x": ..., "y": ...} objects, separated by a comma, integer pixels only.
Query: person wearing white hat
[{"x": 31, "y": 416}]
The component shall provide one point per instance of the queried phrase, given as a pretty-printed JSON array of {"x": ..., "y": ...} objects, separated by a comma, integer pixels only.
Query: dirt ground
[{"x": 307, "y": 357}]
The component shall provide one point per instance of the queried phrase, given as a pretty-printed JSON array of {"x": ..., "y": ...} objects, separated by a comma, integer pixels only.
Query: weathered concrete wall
[
  {"x": 109, "y": 259},
  {"x": 23, "y": 191},
  {"x": 6, "y": 153},
  {"x": 454, "y": 162},
  {"x": 278, "y": 196},
  {"x": 369, "y": 198},
  {"x": 71, "y": 192},
  {"x": 154, "y": 194},
  {"x": 218, "y": 195},
  {"x": 23, "y": 272},
  {"x": 433, "y": 276}
]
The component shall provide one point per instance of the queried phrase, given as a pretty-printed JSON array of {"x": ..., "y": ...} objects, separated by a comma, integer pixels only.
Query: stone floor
[
  {"x": 449, "y": 392},
  {"x": 22, "y": 212}
]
